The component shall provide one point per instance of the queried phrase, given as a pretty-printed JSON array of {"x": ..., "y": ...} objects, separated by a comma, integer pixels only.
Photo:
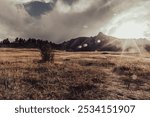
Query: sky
[{"x": 61, "y": 20}]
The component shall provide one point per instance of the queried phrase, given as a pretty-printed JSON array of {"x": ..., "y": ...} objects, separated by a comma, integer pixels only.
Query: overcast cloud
[{"x": 60, "y": 20}]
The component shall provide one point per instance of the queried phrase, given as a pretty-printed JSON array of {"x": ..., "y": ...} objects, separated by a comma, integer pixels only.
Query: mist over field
[{"x": 60, "y": 20}]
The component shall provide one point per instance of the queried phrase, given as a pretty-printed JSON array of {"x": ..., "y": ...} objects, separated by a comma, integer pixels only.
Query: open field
[{"x": 74, "y": 75}]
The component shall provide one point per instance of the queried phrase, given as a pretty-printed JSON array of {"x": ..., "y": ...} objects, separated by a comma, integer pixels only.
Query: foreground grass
[{"x": 82, "y": 75}]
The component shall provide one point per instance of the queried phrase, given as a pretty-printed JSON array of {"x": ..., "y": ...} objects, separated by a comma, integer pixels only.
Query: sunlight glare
[{"x": 130, "y": 30}]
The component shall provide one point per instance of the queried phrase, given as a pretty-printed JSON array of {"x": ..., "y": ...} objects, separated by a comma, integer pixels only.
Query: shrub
[{"x": 47, "y": 53}]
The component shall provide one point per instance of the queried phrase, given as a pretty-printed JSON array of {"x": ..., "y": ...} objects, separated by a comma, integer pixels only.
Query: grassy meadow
[{"x": 74, "y": 75}]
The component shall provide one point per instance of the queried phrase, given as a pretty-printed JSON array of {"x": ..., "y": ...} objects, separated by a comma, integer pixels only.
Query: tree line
[{"x": 27, "y": 43}]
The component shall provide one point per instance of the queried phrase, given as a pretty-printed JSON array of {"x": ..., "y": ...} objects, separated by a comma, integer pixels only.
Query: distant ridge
[{"x": 102, "y": 42}]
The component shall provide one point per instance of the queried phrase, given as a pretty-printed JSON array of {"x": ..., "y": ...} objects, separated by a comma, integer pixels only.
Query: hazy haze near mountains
[{"x": 59, "y": 20}]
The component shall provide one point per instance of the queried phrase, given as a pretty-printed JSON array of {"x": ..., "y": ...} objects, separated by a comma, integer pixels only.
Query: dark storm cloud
[
  {"x": 70, "y": 2},
  {"x": 38, "y": 8},
  {"x": 64, "y": 19}
]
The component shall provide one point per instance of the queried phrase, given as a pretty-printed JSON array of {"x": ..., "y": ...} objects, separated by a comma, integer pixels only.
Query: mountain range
[{"x": 103, "y": 42}]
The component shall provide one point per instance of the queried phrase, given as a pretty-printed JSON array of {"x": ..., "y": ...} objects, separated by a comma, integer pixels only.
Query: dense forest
[{"x": 27, "y": 43}]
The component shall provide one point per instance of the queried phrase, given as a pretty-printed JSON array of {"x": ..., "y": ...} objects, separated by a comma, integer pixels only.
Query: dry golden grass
[{"x": 74, "y": 75}]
